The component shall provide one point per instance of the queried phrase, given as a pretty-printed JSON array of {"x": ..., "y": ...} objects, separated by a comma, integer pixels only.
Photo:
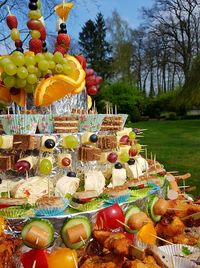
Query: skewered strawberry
[
  {"x": 60, "y": 49},
  {"x": 35, "y": 45},
  {"x": 64, "y": 40},
  {"x": 12, "y": 21}
]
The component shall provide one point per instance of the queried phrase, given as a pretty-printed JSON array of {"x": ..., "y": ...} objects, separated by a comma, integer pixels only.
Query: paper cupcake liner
[
  {"x": 183, "y": 263},
  {"x": 176, "y": 250},
  {"x": 19, "y": 123},
  {"x": 45, "y": 124},
  {"x": 52, "y": 210},
  {"x": 119, "y": 199},
  {"x": 49, "y": 211},
  {"x": 90, "y": 122}
]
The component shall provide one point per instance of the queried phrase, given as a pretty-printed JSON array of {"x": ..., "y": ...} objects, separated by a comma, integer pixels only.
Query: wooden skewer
[
  {"x": 34, "y": 264},
  {"x": 162, "y": 239},
  {"x": 37, "y": 240},
  {"x": 74, "y": 259},
  {"x": 172, "y": 171},
  {"x": 17, "y": 142},
  {"x": 115, "y": 109},
  {"x": 177, "y": 209},
  {"x": 82, "y": 240},
  {"x": 122, "y": 223}
]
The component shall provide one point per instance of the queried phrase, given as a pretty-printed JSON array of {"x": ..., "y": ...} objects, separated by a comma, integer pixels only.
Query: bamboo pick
[
  {"x": 122, "y": 223},
  {"x": 34, "y": 264},
  {"x": 162, "y": 239},
  {"x": 74, "y": 259},
  {"x": 94, "y": 106},
  {"x": 37, "y": 240},
  {"x": 82, "y": 239},
  {"x": 115, "y": 109}
]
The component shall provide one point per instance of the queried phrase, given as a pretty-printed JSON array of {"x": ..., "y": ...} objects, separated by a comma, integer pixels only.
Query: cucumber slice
[
  {"x": 72, "y": 222},
  {"x": 152, "y": 200},
  {"x": 130, "y": 211},
  {"x": 42, "y": 224},
  {"x": 165, "y": 190}
]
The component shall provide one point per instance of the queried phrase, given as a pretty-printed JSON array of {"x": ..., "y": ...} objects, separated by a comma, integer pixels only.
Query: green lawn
[{"x": 176, "y": 145}]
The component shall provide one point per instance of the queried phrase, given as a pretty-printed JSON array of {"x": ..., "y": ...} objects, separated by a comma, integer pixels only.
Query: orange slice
[
  {"x": 19, "y": 99},
  {"x": 77, "y": 73},
  {"x": 63, "y": 9},
  {"x": 79, "y": 89},
  {"x": 4, "y": 94},
  {"x": 89, "y": 102},
  {"x": 53, "y": 89},
  {"x": 147, "y": 234}
]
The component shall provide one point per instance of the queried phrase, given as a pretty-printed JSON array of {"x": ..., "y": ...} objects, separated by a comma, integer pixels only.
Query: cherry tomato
[
  {"x": 110, "y": 218},
  {"x": 63, "y": 258},
  {"x": 36, "y": 258}
]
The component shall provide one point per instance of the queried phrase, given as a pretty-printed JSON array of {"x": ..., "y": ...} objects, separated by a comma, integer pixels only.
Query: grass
[{"x": 176, "y": 145}]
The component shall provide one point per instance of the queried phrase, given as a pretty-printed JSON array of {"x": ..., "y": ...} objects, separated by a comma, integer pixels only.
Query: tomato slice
[
  {"x": 141, "y": 186},
  {"x": 4, "y": 206},
  {"x": 85, "y": 200},
  {"x": 110, "y": 218},
  {"x": 35, "y": 258}
]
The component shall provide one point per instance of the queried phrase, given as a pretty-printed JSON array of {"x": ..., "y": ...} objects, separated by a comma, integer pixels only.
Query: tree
[
  {"x": 122, "y": 42},
  {"x": 178, "y": 22},
  {"x": 94, "y": 46},
  {"x": 190, "y": 94},
  {"x": 87, "y": 41}
]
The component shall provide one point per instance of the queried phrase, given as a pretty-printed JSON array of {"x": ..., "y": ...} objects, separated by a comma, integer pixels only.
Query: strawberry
[
  {"x": 35, "y": 45},
  {"x": 43, "y": 33},
  {"x": 82, "y": 60},
  {"x": 63, "y": 39},
  {"x": 12, "y": 21},
  {"x": 60, "y": 49}
]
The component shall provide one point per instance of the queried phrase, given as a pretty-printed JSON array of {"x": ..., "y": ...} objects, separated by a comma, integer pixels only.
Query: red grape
[
  {"x": 99, "y": 80},
  {"x": 22, "y": 166},
  {"x": 89, "y": 72},
  {"x": 34, "y": 24},
  {"x": 124, "y": 140},
  {"x": 92, "y": 90},
  {"x": 82, "y": 61},
  {"x": 112, "y": 157},
  {"x": 91, "y": 80},
  {"x": 133, "y": 151}
]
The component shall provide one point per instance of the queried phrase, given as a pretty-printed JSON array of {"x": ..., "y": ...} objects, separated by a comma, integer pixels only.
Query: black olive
[
  {"x": 118, "y": 165},
  {"x": 33, "y": 6},
  {"x": 71, "y": 174},
  {"x": 49, "y": 143},
  {"x": 93, "y": 138}
]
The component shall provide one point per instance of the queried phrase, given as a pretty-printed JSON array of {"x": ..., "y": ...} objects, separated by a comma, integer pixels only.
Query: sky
[{"x": 129, "y": 10}]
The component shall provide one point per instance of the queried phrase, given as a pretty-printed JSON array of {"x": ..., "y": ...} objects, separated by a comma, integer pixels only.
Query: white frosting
[
  {"x": 94, "y": 180},
  {"x": 66, "y": 185}
]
